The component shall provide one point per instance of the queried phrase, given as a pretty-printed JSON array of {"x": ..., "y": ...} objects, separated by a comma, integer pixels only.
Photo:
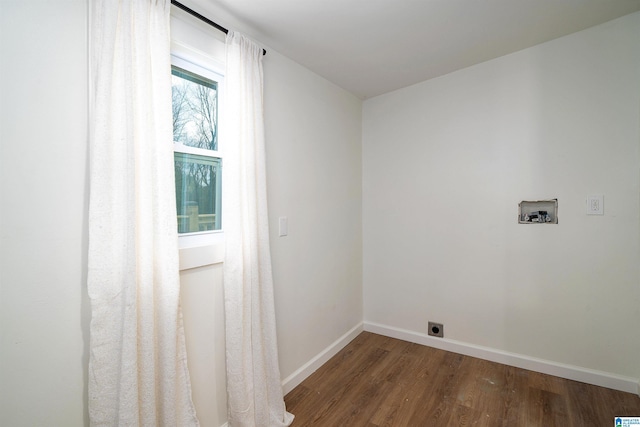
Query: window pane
[
  {"x": 198, "y": 183},
  {"x": 195, "y": 110}
]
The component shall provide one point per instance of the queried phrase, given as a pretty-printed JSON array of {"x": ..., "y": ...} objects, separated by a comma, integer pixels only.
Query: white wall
[
  {"x": 43, "y": 190},
  {"x": 445, "y": 164},
  {"x": 313, "y": 134},
  {"x": 202, "y": 302}
]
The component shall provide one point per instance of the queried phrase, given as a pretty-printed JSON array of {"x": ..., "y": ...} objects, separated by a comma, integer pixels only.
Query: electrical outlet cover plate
[{"x": 595, "y": 205}]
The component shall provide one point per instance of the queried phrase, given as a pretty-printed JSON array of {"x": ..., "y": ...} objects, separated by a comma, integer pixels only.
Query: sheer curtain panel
[
  {"x": 137, "y": 364},
  {"x": 254, "y": 387}
]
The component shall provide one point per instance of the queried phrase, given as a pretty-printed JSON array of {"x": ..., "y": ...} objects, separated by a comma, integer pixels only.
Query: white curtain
[
  {"x": 254, "y": 389},
  {"x": 137, "y": 367}
]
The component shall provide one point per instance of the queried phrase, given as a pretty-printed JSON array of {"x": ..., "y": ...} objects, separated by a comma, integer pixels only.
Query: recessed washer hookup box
[{"x": 538, "y": 211}]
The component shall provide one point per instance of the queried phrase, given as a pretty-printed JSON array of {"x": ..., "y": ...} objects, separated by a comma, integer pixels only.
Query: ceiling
[{"x": 370, "y": 47}]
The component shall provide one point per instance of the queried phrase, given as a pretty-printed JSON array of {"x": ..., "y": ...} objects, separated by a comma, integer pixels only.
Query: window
[
  {"x": 195, "y": 101},
  {"x": 198, "y": 62}
]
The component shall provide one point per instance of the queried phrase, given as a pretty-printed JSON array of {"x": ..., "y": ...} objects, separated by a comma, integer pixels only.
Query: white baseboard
[
  {"x": 311, "y": 366},
  {"x": 576, "y": 373}
]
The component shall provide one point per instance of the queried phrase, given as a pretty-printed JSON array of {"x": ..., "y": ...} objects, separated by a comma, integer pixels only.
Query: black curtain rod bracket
[{"x": 203, "y": 18}]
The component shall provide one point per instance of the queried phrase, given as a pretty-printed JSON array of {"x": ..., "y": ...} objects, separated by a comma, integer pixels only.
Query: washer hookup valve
[{"x": 537, "y": 216}]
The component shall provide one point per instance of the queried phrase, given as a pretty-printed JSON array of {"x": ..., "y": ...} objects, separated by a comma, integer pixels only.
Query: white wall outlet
[{"x": 595, "y": 205}]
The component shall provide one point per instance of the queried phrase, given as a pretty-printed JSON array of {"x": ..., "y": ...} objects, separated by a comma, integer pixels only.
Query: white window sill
[{"x": 201, "y": 249}]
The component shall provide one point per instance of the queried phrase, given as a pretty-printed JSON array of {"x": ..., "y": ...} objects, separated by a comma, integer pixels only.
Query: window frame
[{"x": 211, "y": 70}]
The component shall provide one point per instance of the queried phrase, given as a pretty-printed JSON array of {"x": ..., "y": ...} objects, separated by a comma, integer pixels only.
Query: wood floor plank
[
  {"x": 376, "y": 381},
  {"x": 513, "y": 395},
  {"x": 546, "y": 408}
]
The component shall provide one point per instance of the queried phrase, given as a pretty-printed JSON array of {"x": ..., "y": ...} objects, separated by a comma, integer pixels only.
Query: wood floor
[{"x": 380, "y": 381}]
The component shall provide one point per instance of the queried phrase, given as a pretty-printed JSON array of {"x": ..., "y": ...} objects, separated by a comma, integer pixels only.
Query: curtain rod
[{"x": 203, "y": 19}]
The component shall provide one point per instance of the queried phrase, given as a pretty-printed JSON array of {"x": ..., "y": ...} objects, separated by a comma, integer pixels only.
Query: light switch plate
[
  {"x": 595, "y": 205},
  {"x": 283, "y": 226}
]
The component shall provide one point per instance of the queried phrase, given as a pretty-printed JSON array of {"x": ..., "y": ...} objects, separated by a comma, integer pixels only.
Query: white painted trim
[
  {"x": 198, "y": 256},
  {"x": 576, "y": 373},
  {"x": 320, "y": 359}
]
